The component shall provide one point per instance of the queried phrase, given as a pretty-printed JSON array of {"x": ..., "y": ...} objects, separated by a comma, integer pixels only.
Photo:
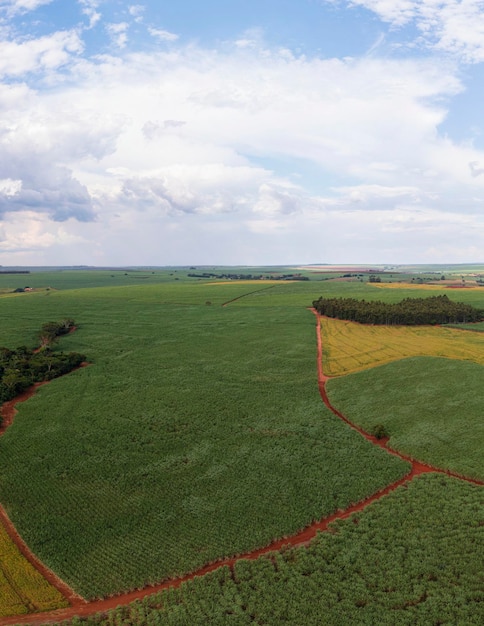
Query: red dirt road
[{"x": 80, "y": 607}]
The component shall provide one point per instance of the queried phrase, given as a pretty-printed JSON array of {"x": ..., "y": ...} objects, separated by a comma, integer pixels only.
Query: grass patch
[{"x": 431, "y": 408}]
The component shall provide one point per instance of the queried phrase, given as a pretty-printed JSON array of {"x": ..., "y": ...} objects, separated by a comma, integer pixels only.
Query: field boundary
[{"x": 244, "y": 295}]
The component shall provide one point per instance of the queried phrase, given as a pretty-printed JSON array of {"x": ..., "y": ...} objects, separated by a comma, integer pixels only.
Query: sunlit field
[
  {"x": 350, "y": 347},
  {"x": 431, "y": 409}
]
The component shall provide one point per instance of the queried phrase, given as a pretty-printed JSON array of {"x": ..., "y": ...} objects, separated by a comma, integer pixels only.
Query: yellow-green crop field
[
  {"x": 22, "y": 588},
  {"x": 350, "y": 347}
]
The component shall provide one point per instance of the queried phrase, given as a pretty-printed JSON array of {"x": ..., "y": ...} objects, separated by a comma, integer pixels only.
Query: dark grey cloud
[{"x": 57, "y": 194}]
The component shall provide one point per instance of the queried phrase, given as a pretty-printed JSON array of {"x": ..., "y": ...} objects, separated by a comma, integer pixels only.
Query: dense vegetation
[
  {"x": 198, "y": 433},
  {"x": 431, "y": 409},
  {"x": 433, "y": 310},
  {"x": 22, "y": 367},
  {"x": 413, "y": 558}
]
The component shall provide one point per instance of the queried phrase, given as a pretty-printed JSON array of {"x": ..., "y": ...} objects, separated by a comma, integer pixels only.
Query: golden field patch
[
  {"x": 22, "y": 588},
  {"x": 350, "y": 347}
]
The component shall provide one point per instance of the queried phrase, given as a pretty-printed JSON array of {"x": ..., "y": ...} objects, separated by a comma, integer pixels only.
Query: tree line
[
  {"x": 22, "y": 367},
  {"x": 225, "y": 276},
  {"x": 410, "y": 311}
]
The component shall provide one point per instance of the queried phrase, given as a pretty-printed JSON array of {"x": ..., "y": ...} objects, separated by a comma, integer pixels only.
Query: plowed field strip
[{"x": 300, "y": 539}]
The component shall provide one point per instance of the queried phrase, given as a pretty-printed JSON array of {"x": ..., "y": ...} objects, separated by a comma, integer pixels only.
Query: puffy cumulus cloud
[
  {"x": 53, "y": 192},
  {"x": 452, "y": 26},
  {"x": 475, "y": 169},
  {"x": 154, "y": 130},
  {"x": 279, "y": 199},
  {"x": 32, "y": 239},
  {"x": 186, "y": 189},
  {"x": 148, "y": 154},
  {"x": 39, "y": 140},
  {"x": 39, "y": 55}
]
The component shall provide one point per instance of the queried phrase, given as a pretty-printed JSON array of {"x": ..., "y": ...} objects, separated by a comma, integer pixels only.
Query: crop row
[
  {"x": 198, "y": 432},
  {"x": 431, "y": 408},
  {"x": 411, "y": 558}
]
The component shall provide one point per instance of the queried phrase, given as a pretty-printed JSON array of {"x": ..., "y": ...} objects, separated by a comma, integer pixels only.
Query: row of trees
[
  {"x": 411, "y": 311},
  {"x": 22, "y": 367},
  {"x": 249, "y": 276}
]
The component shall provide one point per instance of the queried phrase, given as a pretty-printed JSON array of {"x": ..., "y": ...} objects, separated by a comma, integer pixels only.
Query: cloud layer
[{"x": 173, "y": 152}]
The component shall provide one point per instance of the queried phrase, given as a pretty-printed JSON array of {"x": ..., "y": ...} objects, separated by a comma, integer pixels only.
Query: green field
[
  {"x": 198, "y": 432},
  {"x": 431, "y": 408},
  {"x": 413, "y": 558}
]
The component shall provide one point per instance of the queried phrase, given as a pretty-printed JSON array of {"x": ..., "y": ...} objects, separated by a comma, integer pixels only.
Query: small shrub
[{"x": 379, "y": 431}]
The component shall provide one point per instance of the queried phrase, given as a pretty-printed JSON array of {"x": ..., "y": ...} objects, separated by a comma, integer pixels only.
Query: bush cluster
[{"x": 23, "y": 367}]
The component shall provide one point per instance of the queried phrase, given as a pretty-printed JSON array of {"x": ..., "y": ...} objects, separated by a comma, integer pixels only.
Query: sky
[{"x": 241, "y": 132}]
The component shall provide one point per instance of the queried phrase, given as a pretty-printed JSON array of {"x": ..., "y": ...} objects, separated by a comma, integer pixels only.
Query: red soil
[{"x": 80, "y": 607}]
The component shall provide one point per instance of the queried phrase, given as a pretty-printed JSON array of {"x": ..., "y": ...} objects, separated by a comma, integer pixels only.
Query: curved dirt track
[{"x": 80, "y": 607}]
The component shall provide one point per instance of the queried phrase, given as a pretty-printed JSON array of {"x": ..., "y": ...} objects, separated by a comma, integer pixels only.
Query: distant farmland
[{"x": 198, "y": 433}]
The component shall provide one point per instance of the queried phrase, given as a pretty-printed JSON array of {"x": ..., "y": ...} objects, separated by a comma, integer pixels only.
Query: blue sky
[{"x": 241, "y": 132}]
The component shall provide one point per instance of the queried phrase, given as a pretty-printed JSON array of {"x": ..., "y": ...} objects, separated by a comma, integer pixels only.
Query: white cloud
[
  {"x": 31, "y": 233},
  {"x": 10, "y": 187},
  {"x": 455, "y": 26},
  {"x": 139, "y": 152},
  {"x": 90, "y": 10},
  {"x": 13, "y": 7},
  {"x": 118, "y": 33},
  {"x": 37, "y": 55},
  {"x": 136, "y": 11},
  {"x": 164, "y": 35}
]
